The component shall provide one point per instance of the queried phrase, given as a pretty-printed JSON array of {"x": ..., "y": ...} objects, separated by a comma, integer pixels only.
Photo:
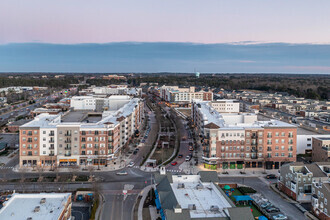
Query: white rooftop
[
  {"x": 204, "y": 197},
  {"x": 21, "y": 206}
]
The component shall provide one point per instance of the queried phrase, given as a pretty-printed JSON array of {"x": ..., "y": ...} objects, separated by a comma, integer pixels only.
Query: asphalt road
[{"x": 261, "y": 186}]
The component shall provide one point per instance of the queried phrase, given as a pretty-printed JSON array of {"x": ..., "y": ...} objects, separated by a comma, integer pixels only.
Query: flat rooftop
[
  {"x": 21, "y": 206},
  {"x": 82, "y": 116},
  {"x": 202, "y": 196}
]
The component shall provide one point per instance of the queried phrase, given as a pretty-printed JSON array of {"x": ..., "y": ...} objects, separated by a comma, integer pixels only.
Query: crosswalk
[
  {"x": 3, "y": 168},
  {"x": 167, "y": 170}
]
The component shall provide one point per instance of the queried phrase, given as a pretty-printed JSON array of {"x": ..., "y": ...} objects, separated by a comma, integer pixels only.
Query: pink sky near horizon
[{"x": 212, "y": 21}]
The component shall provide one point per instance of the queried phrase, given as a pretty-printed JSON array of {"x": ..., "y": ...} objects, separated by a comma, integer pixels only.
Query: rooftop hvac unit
[
  {"x": 214, "y": 208},
  {"x": 29, "y": 218},
  {"x": 199, "y": 186},
  {"x": 43, "y": 200},
  {"x": 36, "y": 209},
  {"x": 192, "y": 207},
  {"x": 180, "y": 185}
]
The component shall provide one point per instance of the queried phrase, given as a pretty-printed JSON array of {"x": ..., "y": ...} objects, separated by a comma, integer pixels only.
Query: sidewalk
[{"x": 144, "y": 195}]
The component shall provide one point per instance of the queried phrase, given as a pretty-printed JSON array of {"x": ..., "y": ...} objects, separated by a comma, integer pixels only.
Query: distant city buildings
[
  {"x": 37, "y": 206},
  {"x": 114, "y": 77},
  {"x": 174, "y": 94},
  {"x": 80, "y": 137},
  {"x": 239, "y": 140}
]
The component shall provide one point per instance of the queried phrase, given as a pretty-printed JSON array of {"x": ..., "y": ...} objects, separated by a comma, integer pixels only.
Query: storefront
[
  {"x": 210, "y": 166},
  {"x": 68, "y": 162}
]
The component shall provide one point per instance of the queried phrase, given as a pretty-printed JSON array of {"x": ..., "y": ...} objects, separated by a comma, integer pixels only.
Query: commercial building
[
  {"x": 52, "y": 206},
  {"x": 174, "y": 94},
  {"x": 195, "y": 197},
  {"x": 296, "y": 179},
  {"x": 80, "y": 137},
  {"x": 112, "y": 90},
  {"x": 321, "y": 149},
  {"x": 238, "y": 140},
  {"x": 320, "y": 197}
]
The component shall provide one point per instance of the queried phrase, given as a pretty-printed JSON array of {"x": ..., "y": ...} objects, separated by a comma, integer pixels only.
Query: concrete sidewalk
[{"x": 144, "y": 194}]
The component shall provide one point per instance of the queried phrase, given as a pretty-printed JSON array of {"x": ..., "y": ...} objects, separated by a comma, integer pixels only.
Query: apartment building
[
  {"x": 320, "y": 197},
  {"x": 111, "y": 90},
  {"x": 79, "y": 137},
  {"x": 239, "y": 140},
  {"x": 226, "y": 105},
  {"x": 296, "y": 179},
  {"x": 174, "y": 94},
  {"x": 321, "y": 149},
  {"x": 37, "y": 206}
]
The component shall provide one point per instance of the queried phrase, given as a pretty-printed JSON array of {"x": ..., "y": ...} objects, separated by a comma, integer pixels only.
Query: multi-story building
[
  {"x": 238, "y": 140},
  {"x": 174, "y": 94},
  {"x": 320, "y": 197},
  {"x": 112, "y": 90},
  {"x": 226, "y": 105},
  {"x": 321, "y": 149},
  {"x": 56, "y": 206},
  {"x": 296, "y": 179},
  {"x": 79, "y": 137}
]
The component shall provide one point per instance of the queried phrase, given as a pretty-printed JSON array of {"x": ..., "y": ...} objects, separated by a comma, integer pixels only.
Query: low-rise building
[
  {"x": 55, "y": 206},
  {"x": 296, "y": 179},
  {"x": 320, "y": 197},
  {"x": 304, "y": 142},
  {"x": 195, "y": 197},
  {"x": 174, "y": 94},
  {"x": 226, "y": 105},
  {"x": 321, "y": 149}
]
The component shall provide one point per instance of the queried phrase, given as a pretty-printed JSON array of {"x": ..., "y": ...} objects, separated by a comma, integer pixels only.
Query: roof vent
[
  {"x": 180, "y": 185},
  {"x": 214, "y": 208},
  {"x": 36, "y": 209},
  {"x": 43, "y": 200},
  {"x": 29, "y": 218},
  {"x": 191, "y": 206},
  {"x": 199, "y": 186}
]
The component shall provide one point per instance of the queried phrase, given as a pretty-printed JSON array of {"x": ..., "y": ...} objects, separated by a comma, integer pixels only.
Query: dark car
[
  {"x": 180, "y": 156},
  {"x": 271, "y": 176},
  {"x": 135, "y": 152},
  {"x": 272, "y": 209}
]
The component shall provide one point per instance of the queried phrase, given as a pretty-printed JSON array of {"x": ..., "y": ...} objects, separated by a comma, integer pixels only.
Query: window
[
  {"x": 24, "y": 132},
  {"x": 35, "y": 132},
  {"x": 44, "y": 132},
  {"x": 283, "y": 154}
]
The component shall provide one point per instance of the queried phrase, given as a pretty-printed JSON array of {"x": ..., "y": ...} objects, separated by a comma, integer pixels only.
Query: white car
[
  {"x": 122, "y": 173},
  {"x": 131, "y": 164}
]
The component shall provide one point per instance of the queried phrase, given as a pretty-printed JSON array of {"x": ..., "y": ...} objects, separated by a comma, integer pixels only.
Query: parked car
[
  {"x": 131, "y": 164},
  {"x": 188, "y": 158},
  {"x": 122, "y": 173},
  {"x": 265, "y": 205},
  {"x": 271, "y": 176},
  {"x": 180, "y": 156},
  {"x": 174, "y": 163},
  {"x": 280, "y": 217},
  {"x": 272, "y": 209}
]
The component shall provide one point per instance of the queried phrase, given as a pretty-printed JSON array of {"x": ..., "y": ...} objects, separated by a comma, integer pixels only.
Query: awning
[{"x": 243, "y": 198}]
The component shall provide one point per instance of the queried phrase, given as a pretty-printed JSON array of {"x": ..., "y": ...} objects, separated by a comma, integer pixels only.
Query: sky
[{"x": 75, "y": 23}]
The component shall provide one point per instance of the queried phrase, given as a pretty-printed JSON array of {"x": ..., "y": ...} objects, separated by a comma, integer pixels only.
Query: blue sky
[{"x": 160, "y": 57}]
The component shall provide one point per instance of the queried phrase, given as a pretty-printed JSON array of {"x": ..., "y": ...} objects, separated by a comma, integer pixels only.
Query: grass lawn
[{"x": 236, "y": 192}]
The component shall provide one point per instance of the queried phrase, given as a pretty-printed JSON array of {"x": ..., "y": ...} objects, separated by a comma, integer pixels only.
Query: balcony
[
  {"x": 67, "y": 141},
  {"x": 269, "y": 136},
  {"x": 51, "y": 141},
  {"x": 51, "y": 148},
  {"x": 253, "y": 150},
  {"x": 51, "y": 134},
  {"x": 242, "y": 150},
  {"x": 290, "y": 135},
  {"x": 67, "y": 154},
  {"x": 51, "y": 154},
  {"x": 67, "y": 134},
  {"x": 67, "y": 148}
]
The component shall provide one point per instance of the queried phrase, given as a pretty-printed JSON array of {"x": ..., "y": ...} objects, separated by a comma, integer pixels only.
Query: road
[{"x": 261, "y": 185}]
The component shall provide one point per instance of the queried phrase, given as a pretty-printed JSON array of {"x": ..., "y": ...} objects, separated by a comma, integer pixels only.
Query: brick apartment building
[
  {"x": 321, "y": 149},
  {"x": 79, "y": 137},
  {"x": 239, "y": 140}
]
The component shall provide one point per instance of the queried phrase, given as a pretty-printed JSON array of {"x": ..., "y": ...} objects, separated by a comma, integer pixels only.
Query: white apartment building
[
  {"x": 304, "y": 142},
  {"x": 226, "y": 105}
]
